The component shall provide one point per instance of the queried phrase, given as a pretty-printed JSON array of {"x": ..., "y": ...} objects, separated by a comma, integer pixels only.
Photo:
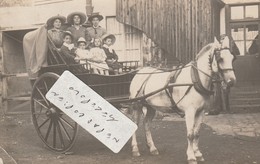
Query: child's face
[
  {"x": 95, "y": 21},
  {"x": 82, "y": 45},
  {"x": 76, "y": 20},
  {"x": 97, "y": 42},
  {"x": 108, "y": 41},
  {"x": 57, "y": 24},
  {"x": 67, "y": 39}
]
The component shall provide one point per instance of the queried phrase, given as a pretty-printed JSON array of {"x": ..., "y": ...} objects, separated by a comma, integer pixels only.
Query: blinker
[{"x": 217, "y": 56}]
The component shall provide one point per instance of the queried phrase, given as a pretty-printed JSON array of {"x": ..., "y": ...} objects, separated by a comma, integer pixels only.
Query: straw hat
[
  {"x": 51, "y": 20},
  {"x": 68, "y": 33},
  {"x": 80, "y": 14},
  {"x": 111, "y": 36},
  {"x": 95, "y": 15},
  {"x": 81, "y": 39}
]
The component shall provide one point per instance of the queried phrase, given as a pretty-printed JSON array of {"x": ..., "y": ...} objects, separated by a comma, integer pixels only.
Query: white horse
[{"x": 191, "y": 100}]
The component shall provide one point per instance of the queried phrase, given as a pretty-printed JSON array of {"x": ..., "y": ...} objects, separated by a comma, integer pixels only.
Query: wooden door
[{"x": 15, "y": 84}]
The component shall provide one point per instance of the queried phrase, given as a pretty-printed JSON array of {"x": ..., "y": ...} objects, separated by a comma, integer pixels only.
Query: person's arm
[
  {"x": 115, "y": 55},
  {"x": 103, "y": 55},
  {"x": 67, "y": 53}
]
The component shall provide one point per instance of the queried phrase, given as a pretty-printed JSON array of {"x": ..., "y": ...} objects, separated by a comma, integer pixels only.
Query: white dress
[
  {"x": 98, "y": 59},
  {"x": 83, "y": 55}
]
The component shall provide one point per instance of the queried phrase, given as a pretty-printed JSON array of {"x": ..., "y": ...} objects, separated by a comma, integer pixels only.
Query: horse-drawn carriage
[
  {"x": 187, "y": 88},
  {"x": 56, "y": 130}
]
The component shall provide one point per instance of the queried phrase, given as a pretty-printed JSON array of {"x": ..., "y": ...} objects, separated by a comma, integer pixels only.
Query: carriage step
[
  {"x": 245, "y": 108},
  {"x": 245, "y": 101}
]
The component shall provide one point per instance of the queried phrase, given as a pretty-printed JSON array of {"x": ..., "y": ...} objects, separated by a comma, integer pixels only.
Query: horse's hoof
[
  {"x": 192, "y": 161},
  {"x": 155, "y": 152},
  {"x": 136, "y": 154},
  {"x": 200, "y": 159}
]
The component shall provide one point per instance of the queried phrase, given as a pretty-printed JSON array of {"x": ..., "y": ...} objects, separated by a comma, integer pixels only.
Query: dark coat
[
  {"x": 69, "y": 55},
  {"x": 110, "y": 56}
]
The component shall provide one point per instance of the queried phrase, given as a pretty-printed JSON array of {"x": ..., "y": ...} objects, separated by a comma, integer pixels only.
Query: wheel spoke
[
  {"x": 46, "y": 86},
  {"x": 44, "y": 123},
  {"x": 54, "y": 133},
  {"x": 48, "y": 131},
  {"x": 65, "y": 130},
  {"x": 60, "y": 134},
  {"x": 40, "y": 103},
  {"x": 42, "y": 96},
  {"x": 39, "y": 114},
  {"x": 66, "y": 122}
]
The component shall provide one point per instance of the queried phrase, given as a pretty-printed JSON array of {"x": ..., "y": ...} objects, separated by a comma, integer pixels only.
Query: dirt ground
[{"x": 19, "y": 138}]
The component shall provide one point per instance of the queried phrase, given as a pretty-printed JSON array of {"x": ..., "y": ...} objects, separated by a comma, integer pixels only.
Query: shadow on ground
[{"x": 21, "y": 141}]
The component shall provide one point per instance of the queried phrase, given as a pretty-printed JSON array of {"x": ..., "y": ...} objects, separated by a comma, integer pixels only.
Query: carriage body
[{"x": 57, "y": 130}]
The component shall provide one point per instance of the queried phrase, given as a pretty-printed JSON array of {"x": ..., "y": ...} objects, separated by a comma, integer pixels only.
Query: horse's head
[{"x": 221, "y": 61}]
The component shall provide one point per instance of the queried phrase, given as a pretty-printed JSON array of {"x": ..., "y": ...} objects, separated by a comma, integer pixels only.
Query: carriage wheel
[{"x": 56, "y": 130}]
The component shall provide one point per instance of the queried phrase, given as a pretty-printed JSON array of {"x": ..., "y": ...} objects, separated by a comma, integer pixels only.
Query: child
[
  {"x": 112, "y": 58},
  {"x": 82, "y": 54},
  {"x": 98, "y": 61},
  {"x": 68, "y": 49}
]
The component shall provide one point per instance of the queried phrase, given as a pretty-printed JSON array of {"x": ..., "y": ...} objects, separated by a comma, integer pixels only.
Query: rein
[{"x": 196, "y": 82}]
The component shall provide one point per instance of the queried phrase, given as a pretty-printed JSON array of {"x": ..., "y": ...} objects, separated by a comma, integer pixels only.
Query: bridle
[{"x": 217, "y": 56}]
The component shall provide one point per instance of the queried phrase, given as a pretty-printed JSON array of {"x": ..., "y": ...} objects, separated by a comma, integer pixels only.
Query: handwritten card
[{"x": 91, "y": 111}]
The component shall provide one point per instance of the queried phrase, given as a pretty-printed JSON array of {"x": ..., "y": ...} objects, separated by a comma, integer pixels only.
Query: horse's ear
[
  {"x": 216, "y": 40},
  {"x": 225, "y": 42}
]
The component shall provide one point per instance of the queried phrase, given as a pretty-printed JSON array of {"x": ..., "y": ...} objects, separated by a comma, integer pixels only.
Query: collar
[
  {"x": 197, "y": 82},
  {"x": 96, "y": 27},
  {"x": 70, "y": 46},
  {"x": 54, "y": 29},
  {"x": 76, "y": 26},
  {"x": 108, "y": 47}
]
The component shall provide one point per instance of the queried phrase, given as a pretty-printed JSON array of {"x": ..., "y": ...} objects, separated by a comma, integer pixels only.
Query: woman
[
  {"x": 76, "y": 19},
  {"x": 95, "y": 31},
  {"x": 55, "y": 33}
]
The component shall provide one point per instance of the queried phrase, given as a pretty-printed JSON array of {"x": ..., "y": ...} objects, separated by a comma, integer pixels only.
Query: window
[
  {"x": 128, "y": 40},
  {"x": 244, "y": 27}
]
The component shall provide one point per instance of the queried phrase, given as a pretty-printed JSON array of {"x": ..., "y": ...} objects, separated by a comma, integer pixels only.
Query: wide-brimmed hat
[
  {"x": 95, "y": 15},
  {"x": 67, "y": 33},
  {"x": 51, "y": 20},
  {"x": 81, "y": 40},
  {"x": 111, "y": 36},
  {"x": 80, "y": 14}
]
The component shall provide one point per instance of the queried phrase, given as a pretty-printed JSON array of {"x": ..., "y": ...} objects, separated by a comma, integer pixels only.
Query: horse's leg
[
  {"x": 190, "y": 123},
  {"x": 147, "y": 121},
  {"x": 137, "y": 110},
  {"x": 198, "y": 121}
]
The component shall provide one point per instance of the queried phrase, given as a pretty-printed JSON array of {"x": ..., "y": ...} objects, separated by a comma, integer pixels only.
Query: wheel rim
[{"x": 56, "y": 129}]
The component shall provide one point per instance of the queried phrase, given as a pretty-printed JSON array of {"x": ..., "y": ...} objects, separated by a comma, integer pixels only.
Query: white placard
[{"x": 91, "y": 111}]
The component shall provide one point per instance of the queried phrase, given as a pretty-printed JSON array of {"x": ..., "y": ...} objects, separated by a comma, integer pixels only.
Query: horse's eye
[{"x": 218, "y": 57}]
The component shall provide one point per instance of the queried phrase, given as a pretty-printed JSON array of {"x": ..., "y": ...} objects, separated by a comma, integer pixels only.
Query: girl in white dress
[{"x": 98, "y": 58}]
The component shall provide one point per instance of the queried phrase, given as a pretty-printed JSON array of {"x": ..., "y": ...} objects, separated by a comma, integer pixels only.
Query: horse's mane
[{"x": 204, "y": 50}]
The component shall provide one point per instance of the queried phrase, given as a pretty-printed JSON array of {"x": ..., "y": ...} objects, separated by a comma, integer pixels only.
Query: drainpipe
[
  {"x": 89, "y": 7},
  {"x": 89, "y": 11}
]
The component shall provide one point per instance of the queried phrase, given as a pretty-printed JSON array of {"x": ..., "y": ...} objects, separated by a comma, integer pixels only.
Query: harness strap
[
  {"x": 174, "y": 105},
  {"x": 142, "y": 88},
  {"x": 197, "y": 82}
]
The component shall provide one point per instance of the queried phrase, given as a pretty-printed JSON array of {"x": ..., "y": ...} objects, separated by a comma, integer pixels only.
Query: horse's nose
[{"x": 231, "y": 82}]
